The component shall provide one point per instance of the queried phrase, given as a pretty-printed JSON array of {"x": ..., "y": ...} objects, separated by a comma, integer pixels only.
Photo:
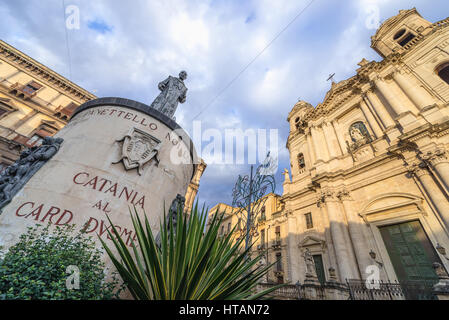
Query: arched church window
[
  {"x": 443, "y": 72},
  {"x": 358, "y": 132},
  {"x": 301, "y": 161}
]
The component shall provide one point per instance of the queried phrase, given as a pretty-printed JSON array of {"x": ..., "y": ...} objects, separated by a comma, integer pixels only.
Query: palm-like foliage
[{"x": 191, "y": 263}]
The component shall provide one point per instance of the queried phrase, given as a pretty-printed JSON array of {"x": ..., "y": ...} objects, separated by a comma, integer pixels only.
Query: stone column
[
  {"x": 337, "y": 225},
  {"x": 356, "y": 225},
  {"x": 327, "y": 232},
  {"x": 380, "y": 109},
  {"x": 371, "y": 120},
  {"x": 292, "y": 260},
  {"x": 439, "y": 161},
  {"x": 431, "y": 188},
  {"x": 419, "y": 96},
  {"x": 389, "y": 95}
]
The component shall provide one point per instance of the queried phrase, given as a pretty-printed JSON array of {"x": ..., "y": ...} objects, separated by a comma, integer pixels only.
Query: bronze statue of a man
[{"x": 173, "y": 90}]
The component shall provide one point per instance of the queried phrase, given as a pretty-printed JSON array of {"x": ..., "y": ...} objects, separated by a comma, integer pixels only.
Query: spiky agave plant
[{"x": 191, "y": 263}]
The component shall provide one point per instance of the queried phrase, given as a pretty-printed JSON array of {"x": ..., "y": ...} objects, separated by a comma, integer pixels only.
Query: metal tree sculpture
[{"x": 248, "y": 195}]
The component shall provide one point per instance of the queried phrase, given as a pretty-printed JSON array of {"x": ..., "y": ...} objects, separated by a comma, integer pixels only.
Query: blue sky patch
[
  {"x": 250, "y": 18},
  {"x": 99, "y": 26}
]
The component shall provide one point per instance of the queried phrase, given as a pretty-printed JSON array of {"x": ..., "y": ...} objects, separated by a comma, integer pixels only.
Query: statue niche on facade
[
  {"x": 359, "y": 136},
  {"x": 14, "y": 177},
  {"x": 173, "y": 90}
]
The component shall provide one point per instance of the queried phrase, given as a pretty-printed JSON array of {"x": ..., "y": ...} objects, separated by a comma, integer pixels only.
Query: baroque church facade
[
  {"x": 370, "y": 164},
  {"x": 369, "y": 182}
]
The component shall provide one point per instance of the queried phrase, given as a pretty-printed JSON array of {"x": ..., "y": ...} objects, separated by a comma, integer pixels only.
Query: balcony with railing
[{"x": 404, "y": 290}]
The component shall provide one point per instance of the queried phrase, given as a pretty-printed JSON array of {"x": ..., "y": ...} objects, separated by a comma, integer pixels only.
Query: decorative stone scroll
[{"x": 14, "y": 177}]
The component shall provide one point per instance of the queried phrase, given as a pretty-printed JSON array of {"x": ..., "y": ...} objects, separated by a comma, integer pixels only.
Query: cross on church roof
[{"x": 331, "y": 77}]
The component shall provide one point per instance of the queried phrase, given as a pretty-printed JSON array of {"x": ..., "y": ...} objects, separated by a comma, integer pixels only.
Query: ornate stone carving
[
  {"x": 310, "y": 264},
  {"x": 138, "y": 148},
  {"x": 324, "y": 196},
  {"x": 363, "y": 62},
  {"x": 332, "y": 275},
  {"x": 418, "y": 168},
  {"x": 14, "y": 177},
  {"x": 173, "y": 90},
  {"x": 344, "y": 195},
  {"x": 439, "y": 270},
  {"x": 436, "y": 156}
]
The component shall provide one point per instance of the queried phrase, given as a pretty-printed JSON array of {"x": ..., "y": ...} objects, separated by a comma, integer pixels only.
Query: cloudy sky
[{"x": 248, "y": 62}]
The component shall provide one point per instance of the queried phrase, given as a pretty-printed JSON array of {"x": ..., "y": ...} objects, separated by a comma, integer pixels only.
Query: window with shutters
[
  {"x": 66, "y": 112},
  {"x": 278, "y": 261},
  {"x": 44, "y": 130},
  {"x": 278, "y": 235},
  {"x": 5, "y": 109},
  {"x": 309, "y": 221},
  {"x": 31, "y": 87}
]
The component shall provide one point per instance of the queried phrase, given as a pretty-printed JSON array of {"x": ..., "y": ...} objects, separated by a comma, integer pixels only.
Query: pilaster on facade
[
  {"x": 436, "y": 156},
  {"x": 438, "y": 160},
  {"x": 420, "y": 169},
  {"x": 329, "y": 199}
]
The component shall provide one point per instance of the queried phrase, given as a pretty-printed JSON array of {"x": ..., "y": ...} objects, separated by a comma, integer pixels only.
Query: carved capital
[
  {"x": 376, "y": 78},
  {"x": 370, "y": 90},
  {"x": 326, "y": 195},
  {"x": 436, "y": 156},
  {"x": 390, "y": 75},
  {"x": 419, "y": 169},
  {"x": 344, "y": 195},
  {"x": 356, "y": 90}
]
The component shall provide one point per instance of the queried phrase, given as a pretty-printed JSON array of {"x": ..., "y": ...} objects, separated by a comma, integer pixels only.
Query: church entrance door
[{"x": 411, "y": 253}]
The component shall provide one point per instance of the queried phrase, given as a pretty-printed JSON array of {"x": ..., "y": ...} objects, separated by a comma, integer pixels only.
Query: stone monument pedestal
[{"x": 116, "y": 153}]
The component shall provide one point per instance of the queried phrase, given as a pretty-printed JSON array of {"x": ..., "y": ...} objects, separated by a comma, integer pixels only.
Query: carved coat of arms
[{"x": 138, "y": 148}]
